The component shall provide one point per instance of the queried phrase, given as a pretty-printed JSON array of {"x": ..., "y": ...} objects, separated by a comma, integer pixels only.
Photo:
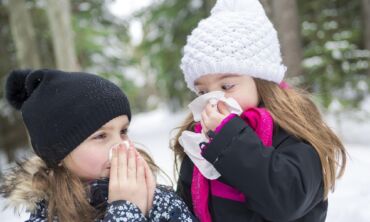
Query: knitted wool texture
[{"x": 237, "y": 38}]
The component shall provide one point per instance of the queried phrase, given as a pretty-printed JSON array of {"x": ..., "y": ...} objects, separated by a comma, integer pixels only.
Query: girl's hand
[
  {"x": 150, "y": 181},
  {"x": 213, "y": 115},
  {"x": 127, "y": 178}
]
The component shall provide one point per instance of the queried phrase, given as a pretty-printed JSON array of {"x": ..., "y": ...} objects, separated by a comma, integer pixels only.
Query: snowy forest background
[{"x": 137, "y": 44}]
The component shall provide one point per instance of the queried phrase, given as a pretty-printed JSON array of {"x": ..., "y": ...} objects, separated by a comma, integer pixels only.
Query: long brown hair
[
  {"x": 67, "y": 195},
  {"x": 294, "y": 111}
]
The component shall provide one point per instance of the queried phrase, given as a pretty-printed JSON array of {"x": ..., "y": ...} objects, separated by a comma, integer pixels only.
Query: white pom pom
[{"x": 253, "y": 6}]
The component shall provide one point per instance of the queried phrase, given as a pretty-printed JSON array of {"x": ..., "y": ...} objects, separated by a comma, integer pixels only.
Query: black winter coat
[{"x": 282, "y": 183}]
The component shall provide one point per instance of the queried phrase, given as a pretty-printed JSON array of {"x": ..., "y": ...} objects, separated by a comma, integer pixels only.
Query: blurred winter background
[{"x": 137, "y": 44}]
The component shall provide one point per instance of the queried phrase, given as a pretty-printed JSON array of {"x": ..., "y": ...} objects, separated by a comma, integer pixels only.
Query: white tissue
[
  {"x": 190, "y": 141},
  {"x": 126, "y": 143},
  {"x": 197, "y": 105}
]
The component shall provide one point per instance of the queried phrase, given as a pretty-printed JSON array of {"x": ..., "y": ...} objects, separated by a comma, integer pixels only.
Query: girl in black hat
[{"x": 74, "y": 120}]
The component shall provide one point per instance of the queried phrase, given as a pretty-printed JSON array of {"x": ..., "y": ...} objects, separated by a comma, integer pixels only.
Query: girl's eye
[
  {"x": 100, "y": 136},
  {"x": 201, "y": 92},
  {"x": 124, "y": 131},
  {"x": 227, "y": 86}
]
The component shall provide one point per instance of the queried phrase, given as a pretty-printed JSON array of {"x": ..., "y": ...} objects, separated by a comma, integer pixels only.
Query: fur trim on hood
[{"x": 17, "y": 187}]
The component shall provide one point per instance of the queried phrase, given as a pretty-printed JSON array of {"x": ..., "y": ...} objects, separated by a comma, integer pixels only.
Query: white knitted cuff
[{"x": 270, "y": 72}]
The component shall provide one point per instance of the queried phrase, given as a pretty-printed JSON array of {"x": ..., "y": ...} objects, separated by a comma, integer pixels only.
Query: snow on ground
[
  {"x": 350, "y": 202},
  {"x": 351, "y": 199}
]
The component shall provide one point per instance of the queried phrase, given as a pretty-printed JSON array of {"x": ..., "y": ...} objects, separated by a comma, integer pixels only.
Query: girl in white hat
[{"x": 276, "y": 159}]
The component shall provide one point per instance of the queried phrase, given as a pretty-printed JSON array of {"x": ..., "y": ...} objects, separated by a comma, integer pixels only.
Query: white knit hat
[{"x": 237, "y": 38}]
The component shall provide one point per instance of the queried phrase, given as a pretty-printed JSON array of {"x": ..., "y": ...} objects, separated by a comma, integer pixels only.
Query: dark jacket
[
  {"x": 282, "y": 183},
  {"x": 167, "y": 206},
  {"x": 19, "y": 193}
]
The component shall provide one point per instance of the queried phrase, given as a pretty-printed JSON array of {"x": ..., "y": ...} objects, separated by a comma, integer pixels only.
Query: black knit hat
[{"x": 62, "y": 109}]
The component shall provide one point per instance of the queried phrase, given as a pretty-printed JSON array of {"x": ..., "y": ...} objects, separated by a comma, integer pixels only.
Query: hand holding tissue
[
  {"x": 198, "y": 104},
  {"x": 191, "y": 141},
  {"x": 125, "y": 143}
]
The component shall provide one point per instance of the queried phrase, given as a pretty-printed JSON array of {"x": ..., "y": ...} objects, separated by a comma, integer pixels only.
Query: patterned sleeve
[
  {"x": 36, "y": 218},
  {"x": 123, "y": 210},
  {"x": 39, "y": 215},
  {"x": 168, "y": 206}
]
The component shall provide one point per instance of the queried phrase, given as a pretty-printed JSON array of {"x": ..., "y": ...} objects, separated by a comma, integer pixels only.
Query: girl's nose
[{"x": 119, "y": 137}]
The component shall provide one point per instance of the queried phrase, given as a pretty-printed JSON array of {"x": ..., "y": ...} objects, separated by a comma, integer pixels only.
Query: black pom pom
[
  {"x": 34, "y": 79},
  {"x": 15, "y": 91}
]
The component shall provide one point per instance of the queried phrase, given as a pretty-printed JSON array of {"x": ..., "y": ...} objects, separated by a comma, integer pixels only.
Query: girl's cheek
[
  {"x": 93, "y": 161},
  {"x": 98, "y": 160},
  {"x": 244, "y": 103},
  {"x": 236, "y": 97}
]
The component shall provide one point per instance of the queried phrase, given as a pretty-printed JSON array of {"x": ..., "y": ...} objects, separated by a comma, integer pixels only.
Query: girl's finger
[
  {"x": 213, "y": 102},
  {"x": 223, "y": 108},
  {"x": 140, "y": 172},
  {"x": 150, "y": 183},
  {"x": 131, "y": 144},
  {"x": 149, "y": 176},
  {"x": 131, "y": 171},
  {"x": 203, "y": 125},
  {"x": 208, "y": 109},
  {"x": 122, "y": 163},
  {"x": 113, "y": 167},
  {"x": 203, "y": 121},
  {"x": 205, "y": 116}
]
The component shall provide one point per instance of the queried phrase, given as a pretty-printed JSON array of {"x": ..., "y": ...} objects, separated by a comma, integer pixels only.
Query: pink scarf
[{"x": 260, "y": 120}]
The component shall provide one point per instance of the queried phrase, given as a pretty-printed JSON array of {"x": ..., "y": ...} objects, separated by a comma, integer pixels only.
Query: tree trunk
[
  {"x": 12, "y": 132},
  {"x": 267, "y": 6},
  {"x": 23, "y": 34},
  {"x": 286, "y": 19},
  {"x": 208, "y": 5},
  {"x": 59, "y": 16},
  {"x": 366, "y": 19},
  {"x": 13, "y": 136}
]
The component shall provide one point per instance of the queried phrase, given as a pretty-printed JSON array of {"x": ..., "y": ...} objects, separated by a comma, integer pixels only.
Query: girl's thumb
[{"x": 222, "y": 107}]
